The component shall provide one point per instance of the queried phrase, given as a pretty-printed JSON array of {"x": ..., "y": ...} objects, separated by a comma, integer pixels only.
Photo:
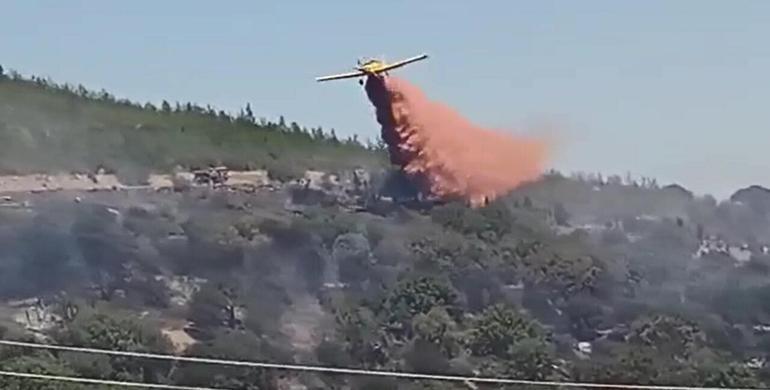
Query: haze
[{"x": 672, "y": 90}]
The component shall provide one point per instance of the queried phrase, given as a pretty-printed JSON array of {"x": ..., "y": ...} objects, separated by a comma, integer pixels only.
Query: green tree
[
  {"x": 329, "y": 226},
  {"x": 232, "y": 346},
  {"x": 646, "y": 365},
  {"x": 499, "y": 329},
  {"x": 333, "y": 354},
  {"x": 489, "y": 223},
  {"x": 439, "y": 252},
  {"x": 564, "y": 267},
  {"x": 533, "y": 359},
  {"x": 437, "y": 327},
  {"x": 529, "y": 359},
  {"x": 626, "y": 364},
  {"x": 412, "y": 297},
  {"x": 121, "y": 333},
  {"x": 360, "y": 333},
  {"x": 37, "y": 364},
  {"x": 352, "y": 253},
  {"x": 216, "y": 305},
  {"x": 725, "y": 375},
  {"x": 584, "y": 314},
  {"x": 426, "y": 357},
  {"x": 212, "y": 245},
  {"x": 248, "y": 113},
  {"x": 671, "y": 335}
]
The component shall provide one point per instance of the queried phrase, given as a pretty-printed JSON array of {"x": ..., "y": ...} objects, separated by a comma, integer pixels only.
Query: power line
[
  {"x": 92, "y": 381},
  {"x": 362, "y": 372}
]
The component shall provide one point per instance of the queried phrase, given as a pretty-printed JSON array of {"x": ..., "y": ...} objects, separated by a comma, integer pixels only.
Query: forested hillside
[
  {"x": 49, "y": 127},
  {"x": 568, "y": 278}
]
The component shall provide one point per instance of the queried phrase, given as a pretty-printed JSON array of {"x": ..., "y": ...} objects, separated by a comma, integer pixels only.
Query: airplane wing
[
  {"x": 341, "y": 76},
  {"x": 404, "y": 62}
]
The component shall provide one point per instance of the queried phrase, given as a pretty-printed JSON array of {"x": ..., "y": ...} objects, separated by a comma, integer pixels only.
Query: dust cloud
[{"x": 447, "y": 155}]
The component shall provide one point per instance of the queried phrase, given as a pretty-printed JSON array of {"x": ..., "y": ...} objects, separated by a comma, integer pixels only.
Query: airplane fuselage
[{"x": 371, "y": 67}]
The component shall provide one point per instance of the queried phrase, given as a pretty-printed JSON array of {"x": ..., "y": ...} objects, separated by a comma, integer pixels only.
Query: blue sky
[{"x": 676, "y": 90}]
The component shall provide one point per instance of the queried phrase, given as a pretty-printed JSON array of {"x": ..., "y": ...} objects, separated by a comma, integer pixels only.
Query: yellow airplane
[{"x": 372, "y": 67}]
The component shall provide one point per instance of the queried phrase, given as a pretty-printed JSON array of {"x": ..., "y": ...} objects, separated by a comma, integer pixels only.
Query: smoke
[{"x": 448, "y": 156}]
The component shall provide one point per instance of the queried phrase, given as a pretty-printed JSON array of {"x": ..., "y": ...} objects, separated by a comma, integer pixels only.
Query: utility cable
[
  {"x": 362, "y": 372},
  {"x": 93, "y": 381}
]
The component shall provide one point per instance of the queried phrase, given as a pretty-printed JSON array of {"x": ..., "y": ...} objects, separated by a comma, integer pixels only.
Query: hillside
[
  {"x": 568, "y": 278},
  {"x": 51, "y": 128}
]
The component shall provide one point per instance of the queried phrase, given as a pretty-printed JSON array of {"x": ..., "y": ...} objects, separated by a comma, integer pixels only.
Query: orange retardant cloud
[{"x": 447, "y": 155}]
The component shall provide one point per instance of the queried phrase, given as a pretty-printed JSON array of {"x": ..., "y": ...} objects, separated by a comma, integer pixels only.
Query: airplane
[{"x": 372, "y": 67}]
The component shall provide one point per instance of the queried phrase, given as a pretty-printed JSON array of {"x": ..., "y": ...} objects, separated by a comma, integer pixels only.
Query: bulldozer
[{"x": 213, "y": 176}]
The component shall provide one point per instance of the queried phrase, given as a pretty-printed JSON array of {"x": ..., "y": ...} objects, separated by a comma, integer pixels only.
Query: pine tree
[
  {"x": 106, "y": 96},
  {"x": 83, "y": 91},
  {"x": 165, "y": 106},
  {"x": 249, "y": 115},
  {"x": 318, "y": 133}
]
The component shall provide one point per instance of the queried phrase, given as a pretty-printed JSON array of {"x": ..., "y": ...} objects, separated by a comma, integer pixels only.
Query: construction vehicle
[{"x": 213, "y": 176}]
